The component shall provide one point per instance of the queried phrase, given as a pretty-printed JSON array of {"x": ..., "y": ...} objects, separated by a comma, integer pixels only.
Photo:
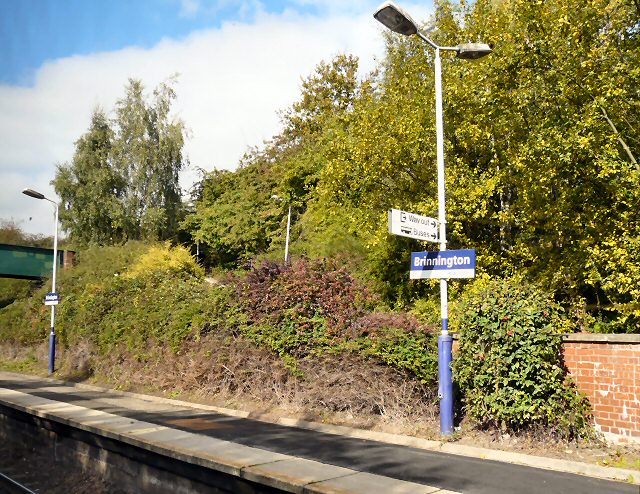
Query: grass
[
  {"x": 29, "y": 364},
  {"x": 620, "y": 459}
]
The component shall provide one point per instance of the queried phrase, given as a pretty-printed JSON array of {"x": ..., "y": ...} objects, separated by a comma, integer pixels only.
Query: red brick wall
[
  {"x": 68, "y": 259},
  {"x": 607, "y": 369}
]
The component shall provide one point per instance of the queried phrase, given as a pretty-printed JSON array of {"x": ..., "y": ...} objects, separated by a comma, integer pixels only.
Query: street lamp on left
[{"x": 52, "y": 335}]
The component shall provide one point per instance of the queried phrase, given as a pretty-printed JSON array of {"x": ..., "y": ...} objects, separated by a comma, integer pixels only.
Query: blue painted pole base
[
  {"x": 52, "y": 351},
  {"x": 445, "y": 384}
]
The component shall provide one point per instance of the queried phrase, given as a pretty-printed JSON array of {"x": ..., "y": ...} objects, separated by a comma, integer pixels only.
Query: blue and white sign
[
  {"x": 443, "y": 264},
  {"x": 52, "y": 298}
]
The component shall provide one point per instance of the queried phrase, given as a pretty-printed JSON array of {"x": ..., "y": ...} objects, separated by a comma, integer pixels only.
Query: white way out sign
[
  {"x": 443, "y": 264},
  {"x": 412, "y": 225}
]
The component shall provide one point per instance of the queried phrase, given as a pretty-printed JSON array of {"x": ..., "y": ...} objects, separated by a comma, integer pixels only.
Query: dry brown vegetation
[
  {"x": 232, "y": 371},
  {"x": 345, "y": 390}
]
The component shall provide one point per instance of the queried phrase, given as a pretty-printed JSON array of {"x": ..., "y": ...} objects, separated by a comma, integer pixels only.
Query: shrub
[
  {"x": 129, "y": 296},
  {"x": 315, "y": 308},
  {"x": 155, "y": 295},
  {"x": 306, "y": 304},
  {"x": 165, "y": 261},
  {"x": 11, "y": 290},
  {"x": 509, "y": 367}
]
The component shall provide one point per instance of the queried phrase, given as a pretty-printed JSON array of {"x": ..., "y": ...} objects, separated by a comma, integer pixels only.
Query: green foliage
[
  {"x": 311, "y": 302},
  {"x": 138, "y": 297},
  {"x": 534, "y": 122},
  {"x": 90, "y": 187},
  {"x": 10, "y": 290},
  {"x": 140, "y": 313},
  {"x": 133, "y": 296},
  {"x": 11, "y": 233},
  {"x": 122, "y": 183},
  {"x": 509, "y": 367},
  {"x": 314, "y": 307},
  {"x": 541, "y": 149},
  {"x": 164, "y": 261},
  {"x": 235, "y": 213},
  {"x": 413, "y": 350},
  {"x": 155, "y": 295},
  {"x": 328, "y": 92}
]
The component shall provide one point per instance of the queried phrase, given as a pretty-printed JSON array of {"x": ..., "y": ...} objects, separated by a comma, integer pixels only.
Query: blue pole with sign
[
  {"x": 396, "y": 19},
  {"x": 443, "y": 265},
  {"x": 445, "y": 381},
  {"x": 52, "y": 334},
  {"x": 52, "y": 301}
]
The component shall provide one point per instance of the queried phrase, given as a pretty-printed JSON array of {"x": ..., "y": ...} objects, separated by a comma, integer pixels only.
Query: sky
[{"x": 238, "y": 63}]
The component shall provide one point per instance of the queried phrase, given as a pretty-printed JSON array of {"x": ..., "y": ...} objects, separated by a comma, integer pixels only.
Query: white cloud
[
  {"x": 233, "y": 80},
  {"x": 189, "y": 8}
]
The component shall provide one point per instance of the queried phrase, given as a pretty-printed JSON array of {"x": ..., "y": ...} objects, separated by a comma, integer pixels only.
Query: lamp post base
[
  {"x": 52, "y": 351},
  {"x": 445, "y": 384}
]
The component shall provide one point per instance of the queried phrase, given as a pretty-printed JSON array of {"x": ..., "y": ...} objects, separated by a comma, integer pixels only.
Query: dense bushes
[
  {"x": 136, "y": 298},
  {"x": 138, "y": 301},
  {"x": 115, "y": 296},
  {"x": 157, "y": 297},
  {"x": 314, "y": 307},
  {"x": 308, "y": 294},
  {"x": 509, "y": 366}
]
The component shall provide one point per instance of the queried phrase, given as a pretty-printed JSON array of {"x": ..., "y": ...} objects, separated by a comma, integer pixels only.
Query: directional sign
[
  {"x": 52, "y": 298},
  {"x": 443, "y": 264},
  {"x": 413, "y": 225}
]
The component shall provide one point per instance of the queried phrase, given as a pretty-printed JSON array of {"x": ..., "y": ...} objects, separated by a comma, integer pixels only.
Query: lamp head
[
  {"x": 396, "y": 19},
  {"x": 33, "y": 193},
  {"x": 473, "y": 51}
]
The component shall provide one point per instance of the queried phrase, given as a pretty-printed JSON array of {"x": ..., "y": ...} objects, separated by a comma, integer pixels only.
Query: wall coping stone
[{"x": 626, "y": 339}]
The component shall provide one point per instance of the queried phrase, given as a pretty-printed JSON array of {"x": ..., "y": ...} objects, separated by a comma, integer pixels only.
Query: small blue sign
[
  {"x": 52, "y": 298},
  {"x": 443, "y": 264}
]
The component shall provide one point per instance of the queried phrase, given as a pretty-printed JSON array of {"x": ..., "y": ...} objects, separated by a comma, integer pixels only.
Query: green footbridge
[{"x": 30, "y": 263}]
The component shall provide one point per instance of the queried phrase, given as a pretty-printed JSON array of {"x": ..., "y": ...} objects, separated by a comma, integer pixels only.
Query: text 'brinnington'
[{"x": 449, "y": 262}]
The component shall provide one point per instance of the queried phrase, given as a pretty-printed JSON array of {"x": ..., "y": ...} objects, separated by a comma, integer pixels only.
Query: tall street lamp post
[
  {"x": 396, "y": 19},
  {"x": 286, "y": 244},
  {"x": 52, "y": 335}
]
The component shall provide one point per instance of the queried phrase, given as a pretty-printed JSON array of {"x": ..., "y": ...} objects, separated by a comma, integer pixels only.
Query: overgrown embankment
[{"x": 307, "y": 338}]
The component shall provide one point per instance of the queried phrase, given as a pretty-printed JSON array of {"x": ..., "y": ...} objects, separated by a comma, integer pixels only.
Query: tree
[
  {"x": 122, "y": 183},
  {"x": 147, "y": 153},
  {"x": 235, "y": 213},
  {"x": 554, "y": 118},
  {"x": 91, "y": 189},
  {"x": 541, "y": 144}
]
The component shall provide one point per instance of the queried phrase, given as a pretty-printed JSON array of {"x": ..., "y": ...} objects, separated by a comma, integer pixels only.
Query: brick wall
[
  {"x": 68, "y": 259},
  {"x": 607, "y": 369}
]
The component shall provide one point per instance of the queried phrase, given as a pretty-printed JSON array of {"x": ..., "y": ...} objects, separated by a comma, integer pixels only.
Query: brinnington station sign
[
  {"x": 443, "y": 264},
  {"x": 52, "y": 298}
]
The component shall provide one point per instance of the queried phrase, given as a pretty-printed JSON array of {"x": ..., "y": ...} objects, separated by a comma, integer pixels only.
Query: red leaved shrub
[{"x": 304, "y": 291}]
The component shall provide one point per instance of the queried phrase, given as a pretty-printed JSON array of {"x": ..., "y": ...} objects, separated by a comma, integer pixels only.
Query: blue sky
[
  {"x": 239, "y": 63},
  {"x": 34, "y": 31}
]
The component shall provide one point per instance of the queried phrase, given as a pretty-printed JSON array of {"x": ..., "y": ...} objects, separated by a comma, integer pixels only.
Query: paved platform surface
[{"x": 290, "y": 458}]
